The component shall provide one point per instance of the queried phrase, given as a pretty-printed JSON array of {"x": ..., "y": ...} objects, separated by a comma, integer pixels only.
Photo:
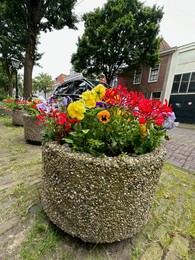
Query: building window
[
  {"x": 137, "y": 76},
  {"x": 192, "y": 83},
  {"x": 156, "y": 94},
  {"x": 154, "y": 73},
  {"x": 176, "y": 83},
  {"x": 184, "y": 83}
]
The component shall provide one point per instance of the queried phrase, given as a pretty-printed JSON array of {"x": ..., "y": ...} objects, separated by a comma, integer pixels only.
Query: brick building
[
  {"x": 172, "y": 79},
  {"x": 60, "y": 79},
  {"x": 150, "y": 81}
]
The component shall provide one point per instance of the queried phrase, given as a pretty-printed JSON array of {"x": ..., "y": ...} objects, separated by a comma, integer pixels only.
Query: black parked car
[{"x": 74, "y": 86}]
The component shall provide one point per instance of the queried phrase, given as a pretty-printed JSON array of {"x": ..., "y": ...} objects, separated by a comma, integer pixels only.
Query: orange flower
[{"x": 104, "y": 116}]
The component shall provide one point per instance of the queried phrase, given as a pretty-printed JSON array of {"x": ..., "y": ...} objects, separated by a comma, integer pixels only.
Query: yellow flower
[
  {"x": 143, "y": 131},
  {"x": 76, "y": 110},
  {"x": 89, "y": 98},
  {"x": 120, "y": 112},
  {"x": 104, "y": 116},
  {"x": 99, "y": 91}
]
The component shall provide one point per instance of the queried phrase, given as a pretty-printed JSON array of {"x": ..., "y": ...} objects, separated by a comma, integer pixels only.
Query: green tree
[
  {"x": 35, "y": 16},
  {"x": 43, "y": 82},
  {"x": 11, "y": 45},
  {"x": 120, "y": 33},
  {"x": 3, "y": 84}
]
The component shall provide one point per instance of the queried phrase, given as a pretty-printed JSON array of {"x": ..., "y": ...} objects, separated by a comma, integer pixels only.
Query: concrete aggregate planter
[
  {"x": 32, "y": 133},
  {"x": 17, "y": 117},
  {"x": 100, "y": 200}
]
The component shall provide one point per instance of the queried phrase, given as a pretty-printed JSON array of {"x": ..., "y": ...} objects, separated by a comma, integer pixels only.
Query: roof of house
[{"x": 164, "y": 45}]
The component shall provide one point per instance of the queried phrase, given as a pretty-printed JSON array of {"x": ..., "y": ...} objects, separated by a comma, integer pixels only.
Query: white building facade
[{"x": 179, "y": 86}]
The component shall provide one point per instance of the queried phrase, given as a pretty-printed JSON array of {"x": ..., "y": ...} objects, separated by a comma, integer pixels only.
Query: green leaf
[
  {"x": 85, "y": 131},
  {"x": 74, "y": 134},
  {"x": 70, "y": 141}
]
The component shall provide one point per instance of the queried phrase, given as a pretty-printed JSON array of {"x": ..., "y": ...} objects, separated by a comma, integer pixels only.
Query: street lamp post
[{"x": 15, "y": 65}]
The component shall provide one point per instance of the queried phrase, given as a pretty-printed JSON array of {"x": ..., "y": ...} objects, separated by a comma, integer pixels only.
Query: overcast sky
[{"x": 177, "y": 28}]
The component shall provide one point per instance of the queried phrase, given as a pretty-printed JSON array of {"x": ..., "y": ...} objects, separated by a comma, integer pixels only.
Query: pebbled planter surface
[
  {"x": 17, "y": 117},
  {"x": 32, "y": 133},
  {"x": 100, "y": 200}
]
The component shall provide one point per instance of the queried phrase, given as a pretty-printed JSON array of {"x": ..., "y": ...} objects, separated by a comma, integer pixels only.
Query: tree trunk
[
  {"x": 10, "y": 85},
  {"x": 9, "y": 74},
  {"x": 28, "y": 64}
]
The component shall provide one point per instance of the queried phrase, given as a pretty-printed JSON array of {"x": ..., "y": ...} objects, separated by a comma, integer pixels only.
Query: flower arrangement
[
  {"x": 12, "y": 104},
  {"x": 31, "y": 107},
  {"x": 108, "y": 122}
]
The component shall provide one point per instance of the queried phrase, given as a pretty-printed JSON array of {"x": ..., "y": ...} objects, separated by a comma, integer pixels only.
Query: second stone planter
[
  {"x": 17, "y": 117},
  {"x": 33, "y": 133}
]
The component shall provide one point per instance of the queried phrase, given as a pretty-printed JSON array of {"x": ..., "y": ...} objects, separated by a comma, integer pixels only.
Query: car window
[
  {"x": 96, "y": 82},
  {"x": 80, "y": 86},
  {"x": 61, "y": 90}
]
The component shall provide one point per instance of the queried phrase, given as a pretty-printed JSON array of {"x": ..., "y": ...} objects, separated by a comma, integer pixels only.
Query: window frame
[
  {"x": 191, "y": 80},
  {"x": 156, "y": 92},
  {"x": 154, "y": 71},
  {"x": 137, "y": 78}
]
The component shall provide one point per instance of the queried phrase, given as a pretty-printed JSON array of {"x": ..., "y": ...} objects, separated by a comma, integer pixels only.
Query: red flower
[
  {"x": 142, "y": 120},
  {"x": 159, "y": 120},
  {"x": 41, "y": 118},
  {"x": 62, "y": 118}
]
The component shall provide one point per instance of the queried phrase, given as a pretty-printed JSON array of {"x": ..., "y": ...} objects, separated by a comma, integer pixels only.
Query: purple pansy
[
  {"x": 169, "y": 122},
  {"x": 43, "y": 107}
]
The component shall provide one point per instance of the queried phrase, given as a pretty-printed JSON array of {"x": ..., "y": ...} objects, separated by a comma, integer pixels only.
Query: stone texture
[
  {"x": 179, "y": 247},
  {"x": 8, "y": 224},
  {"x": 153, "y": 252},
  {"x": 17, "y": 117},
  {"x": 99, "y": 199},
  {"x": 33, "y": 133}
]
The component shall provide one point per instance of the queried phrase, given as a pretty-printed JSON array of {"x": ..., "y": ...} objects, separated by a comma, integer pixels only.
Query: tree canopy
[
  {"x": 120, "y": 33},
  {"x": 11, "y": 46},
  {"x": 31, "y": 17},
  {"x": 43, "y": 82}
]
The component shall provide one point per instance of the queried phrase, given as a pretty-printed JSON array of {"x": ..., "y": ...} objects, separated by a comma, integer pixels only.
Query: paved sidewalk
[
  {"x": 27, "y": 233},
  {"x": 181, "y": 147}
]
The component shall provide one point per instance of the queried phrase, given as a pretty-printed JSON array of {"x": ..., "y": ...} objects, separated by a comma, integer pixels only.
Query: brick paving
[
  {"x": 20, "y": 172},
  {"x": 181, "y": 147}
]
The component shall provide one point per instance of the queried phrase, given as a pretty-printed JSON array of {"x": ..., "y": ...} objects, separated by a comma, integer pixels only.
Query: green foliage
[
  {"x": 120, "y": 135},
  {"x": 43, "y": 82},
  {"x": 3, "y": 84},
  {"x": 122, "y": 32},
  {"x": 108, "y": 122},
  {"x": 12, "y": 44},
  {"x": 29, "y": 18}
]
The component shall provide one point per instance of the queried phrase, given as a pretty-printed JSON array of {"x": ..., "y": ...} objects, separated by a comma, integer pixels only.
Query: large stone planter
[
  {"x": 99, "y": 199},
  {"x": 17, "y": 117},
  {"x": 33, "y": 133}
]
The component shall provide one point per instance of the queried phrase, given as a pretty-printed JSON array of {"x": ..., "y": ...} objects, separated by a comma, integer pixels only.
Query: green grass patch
[
  {"x": 42, "y": 238},
  {"x": 173, "y": 210}
]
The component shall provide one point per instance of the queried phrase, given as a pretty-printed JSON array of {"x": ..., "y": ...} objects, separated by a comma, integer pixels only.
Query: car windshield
[
  {"x": 75, "y": 87},
  {"x": 96, "y": 82}
]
